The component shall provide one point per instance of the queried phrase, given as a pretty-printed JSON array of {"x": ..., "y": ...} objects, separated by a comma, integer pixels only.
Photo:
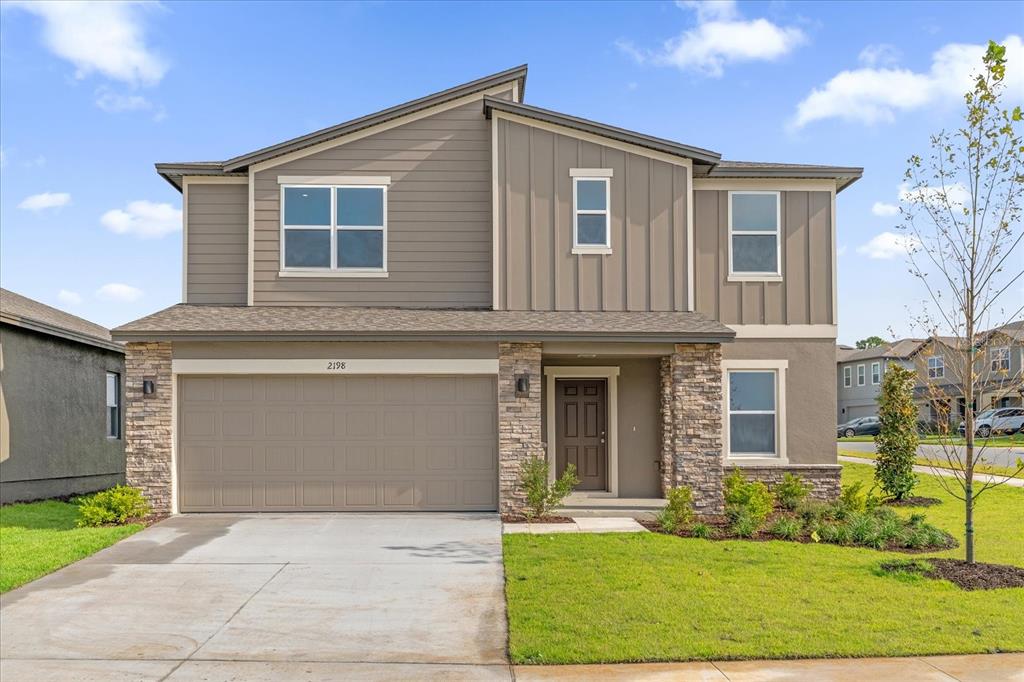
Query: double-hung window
[
  {"x": 591, "y": 204},
  {"x": 753, "y": 412},
  {"x": 755, "y": 235},
  {"x": 876, "y": 373},
  {"x": 999, "y": 359},
  {"x": 334, "y": 228},
  {"x": 936, "y": 367},
  {"x": 847, "y": 376},
  {"x": 113, "y": 405},
  {"x": 860, "y": 375}
]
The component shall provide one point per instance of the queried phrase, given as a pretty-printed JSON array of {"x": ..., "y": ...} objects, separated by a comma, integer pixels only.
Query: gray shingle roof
[
  {"x": 277, "y": 322},
  {"x": 903, "y": 348},
  {"x": 24, "y": 312}
]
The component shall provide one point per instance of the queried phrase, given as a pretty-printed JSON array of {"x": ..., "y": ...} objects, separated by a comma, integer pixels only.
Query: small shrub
[
  {"x": 862, "y": 528},
  {"x": 835, "y": 533},
  {"x": 678, "y": 511},
  {"x": 750, "y": 498},
  {"x": 791, "y": 491},
  {"x": 702, "y": 530},
  {"x": 118, "y": 505},
  {"x": 786, "y": 528},
  {"x": 744, "y": 525},
  {"x": 541, "y": 496},
  {"x": 812, "y": 511},
  {"x": 897, "y": 440},
  {"x": 853, "y": 498}
]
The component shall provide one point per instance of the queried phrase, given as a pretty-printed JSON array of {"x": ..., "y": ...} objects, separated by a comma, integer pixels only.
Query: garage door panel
[{"x": 409, "y": 443}]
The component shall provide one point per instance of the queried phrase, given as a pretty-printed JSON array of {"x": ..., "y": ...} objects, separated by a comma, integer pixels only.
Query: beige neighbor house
[{"x": 392, "y": 313}]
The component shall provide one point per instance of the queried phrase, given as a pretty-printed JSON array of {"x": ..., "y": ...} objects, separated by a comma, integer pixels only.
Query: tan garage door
[{"x": 323, "y": 443}]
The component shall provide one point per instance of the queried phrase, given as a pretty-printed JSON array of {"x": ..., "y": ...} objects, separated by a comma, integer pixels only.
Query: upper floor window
[
  {"x": 755, "y": 235},
  {"x": 591, "y": 208},
  {"x": 847, "y": 376},
  {"x": 113, "y": 405},
  {"x": 936, "y": 367},
  {"x": 999, "y": 359},
  {"x": 860, "y": 375},
  {"x": 337, "y": 228},
  {"x": 876, "y": 373}
]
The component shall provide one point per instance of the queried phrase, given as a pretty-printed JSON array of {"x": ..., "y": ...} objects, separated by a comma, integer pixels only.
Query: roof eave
[
  {"x": 843, "y": 175},
  {"x": 60, "y": 332},
  {"x": 519, "y": 336}
]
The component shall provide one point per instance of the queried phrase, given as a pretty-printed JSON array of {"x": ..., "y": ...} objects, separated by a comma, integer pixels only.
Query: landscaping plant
[
  {"x": 541, "y": 496},
  {"x": 678, "y": 511},
  {"x": 897, "y": 440},
  {"x": 118, "y": 505},
  {"x": 791, "y": 491},
  {"x": 747, "y": 498}
]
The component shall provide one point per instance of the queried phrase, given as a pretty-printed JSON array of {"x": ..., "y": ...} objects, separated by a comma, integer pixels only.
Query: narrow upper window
[
  {"x": 753, "y": 417},
  {"x": 936, "y": 367},
  {"x": 876, "y": 373},
  {"x": 591, "y": 198},
  {"x": 860, "y": 375},
  {"x": 754, "y": 234},
  {"x": 113, "y": 405},
  {"x": 848, "y": 376},
  {"x": 999, "y": 359},
  {"x": 339, "y": 228}
]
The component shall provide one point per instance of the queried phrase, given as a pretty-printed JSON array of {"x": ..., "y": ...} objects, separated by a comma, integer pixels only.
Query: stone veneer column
[
  {"x": 148, "y": 422},
  {"x": 519, "y": 431},
  {"x": 696, "y": 374},
  {"x": 667, "y": 436}
]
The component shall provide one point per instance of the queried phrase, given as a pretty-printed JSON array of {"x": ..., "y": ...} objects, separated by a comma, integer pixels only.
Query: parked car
[
  {"x": 1001, "y": 420},
  {"x": 864, "y": 426}
]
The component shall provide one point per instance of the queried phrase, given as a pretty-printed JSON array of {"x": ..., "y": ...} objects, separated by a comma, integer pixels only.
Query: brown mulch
[
  {"x": 519, "y": 518},
  {"x": 914, "y": 501},
  {"x": 976, "y": 576}
]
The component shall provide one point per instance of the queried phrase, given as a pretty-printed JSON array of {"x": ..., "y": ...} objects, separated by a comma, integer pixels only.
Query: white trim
[
  {"x": 184, "y": 242},
  {"x": 326, "y": 366},
  {"x": 611, "y": 377},
  {"x": 873, "y": 366},
  {"x": 495, "y": 220},
  {"x": 862, "y": 375},
  {"x": 781, "y": 369},
  {"x": 691, "y": 257},
  {"x": 848, "y": 376},
  {"x": 785, "y": 331},
  {"x": 378, "y": 128},
  {"x": 213, "y": 180},
  {"x": 835, "y": 263},
  {"x": 757, "y": 276},
  {"x": 174, "y": 441},
  {"x": 515, "y": 91},
  {"x": 590, "y": 172},
  {"x": 592, "y": 250},
  {"x": 334, "y": 179},
  {"x": 1003, "y": 350},
  {"x": 939, "y": 370},
  {"x": 332, "y": 274},
  {"x": 606, "y": 212},
  {"x": 250, "y": 292},
  {"x": 749, "y": 184}
]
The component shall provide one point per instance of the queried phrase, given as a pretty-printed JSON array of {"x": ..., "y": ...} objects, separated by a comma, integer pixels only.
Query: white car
[{"x": 1001, "y": 420}]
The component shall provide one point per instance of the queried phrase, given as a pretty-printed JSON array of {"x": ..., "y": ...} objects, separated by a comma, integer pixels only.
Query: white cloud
[
  {"x": 721, "y": 37},
  {"x": 875, "y": 95},
  {"x": 888, "y": 245},
  {"x": 956, "y": 194},
  {"x": 115, "y": 291},
  {"x": 37, "y": 162},
  {"x": 69, "y": 297},
  {"x": 143, "y": 218},
  {"x": 102, "y": 37},
  {"x": 114, "y": 102},
  {"x": 881, "y": 53},
  {"x": 883, "y": 209},
  {"x": 45, "y": 200}
]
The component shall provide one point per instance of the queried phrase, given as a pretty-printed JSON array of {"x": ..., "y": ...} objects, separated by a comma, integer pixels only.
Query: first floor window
[
  {"x": 752, "y": 420},
  {"x": 340, "y": 228},
  {"x": 113, "y": 405},
  {"x": 860, "y": 375},
  {"x": 754, "y": 233},
  {"x": 1000, "y": 359},
  {"x": 591, "y": 197},
  {"x": 876, "y": 373},
  {"x": 847, "y": 376},
  {"x": 936, "y": 367}
]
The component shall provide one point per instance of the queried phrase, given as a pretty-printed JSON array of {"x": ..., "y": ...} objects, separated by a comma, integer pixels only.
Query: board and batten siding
[
  {"x": 218, "y": 239},
  {"x": 804, "y": 296},
  {"x": 439, "y": 217},
  {"x": 646, "y": 269}
]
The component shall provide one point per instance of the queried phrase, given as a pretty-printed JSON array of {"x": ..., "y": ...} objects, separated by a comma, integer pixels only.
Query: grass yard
[
  {"x": 650, "y": 597},
  {"x": 37, "y": 538},
  {"x": 984, "y": 468},
  {"x": 1016, "y": 440}
]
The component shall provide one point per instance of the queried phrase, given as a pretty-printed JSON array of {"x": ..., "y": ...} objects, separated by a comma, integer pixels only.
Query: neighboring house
[
  {"x": 859, "y": 375},
  {"x": 61, "y": 381},
  {"x": 393, "y": 313}
]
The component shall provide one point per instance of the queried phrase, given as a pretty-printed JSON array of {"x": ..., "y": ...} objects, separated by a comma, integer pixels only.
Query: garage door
[
  {"x": 337, "y": 443},
  {"x": 858, "y": 411}
]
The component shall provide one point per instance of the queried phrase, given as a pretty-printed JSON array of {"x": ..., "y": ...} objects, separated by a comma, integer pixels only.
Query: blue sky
[{"x": 92, "y": 95}]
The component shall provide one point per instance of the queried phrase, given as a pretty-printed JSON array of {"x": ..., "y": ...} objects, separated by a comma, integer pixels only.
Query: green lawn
[
  {"x": 648, "y": 597},
  {"x": 984, "y": 468},
  {"x": 1016, "y": 440},
  {"x": 39, "y": 537}
]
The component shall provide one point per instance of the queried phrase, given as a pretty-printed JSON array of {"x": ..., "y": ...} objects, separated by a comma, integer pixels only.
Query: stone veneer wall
[
  {"x": 148, "y": 430},
  {"x": 695, "y": 375},
  {"x": 824, "y": 477},
  {"x": 665, "y": 401},
  {"x": 519, "y": 424}
]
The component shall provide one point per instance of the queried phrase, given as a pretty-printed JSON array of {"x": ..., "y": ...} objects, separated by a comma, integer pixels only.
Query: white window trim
[
  {"x": 876, "y": 373},
  {"x": 781, "y": 368},
  {"x": 334, "y": 227},
  {"x": 938, "y": 371},
  {"x": 862, "y": 375},
  {"x": 1004, "y": 353},
  {"x": 776, "y": 276},
  {"x": 118, "y": 403},
  {"x": 605, "y": 248},
  {"x": 848, "y": 376}
]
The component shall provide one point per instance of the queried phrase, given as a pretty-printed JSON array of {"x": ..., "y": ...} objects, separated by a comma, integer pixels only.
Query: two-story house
[
  {"x": 392, "y": 313},
  {"x": 859, "y": 375}
]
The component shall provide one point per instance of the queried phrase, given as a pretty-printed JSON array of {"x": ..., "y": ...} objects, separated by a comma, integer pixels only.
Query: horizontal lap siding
[
  {"x": 439, "y": 217},
  {"x": 218, "y": 231}
]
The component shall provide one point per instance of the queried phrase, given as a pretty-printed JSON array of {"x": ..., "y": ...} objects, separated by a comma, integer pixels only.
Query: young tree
[
  {"x": 870, "y": 342},
  {"x": 897, "y": 440},
  {"x": 961, "y": 223}
]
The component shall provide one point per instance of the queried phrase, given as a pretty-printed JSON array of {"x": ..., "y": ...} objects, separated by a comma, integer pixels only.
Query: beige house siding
[
  {"x": 537, "y": 269},
  {"x": 804, "y": 296},
  {"x": 217, "y": 242},
  {"x": 439, "y": 217}
]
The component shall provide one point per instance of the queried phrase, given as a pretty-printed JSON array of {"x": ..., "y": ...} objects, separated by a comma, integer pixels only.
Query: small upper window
[
  {"x": 113, "y": 405},
  {"x": 754, "y": 234},
  {"x": 847, "y": 376},
  {"x": 936, "y": 367},
  {"x": 335, "y": 228},
  {"x": 876, "y": 373},
  {"x": 591, "y": 199},
  {"x": 1000, "y": 359},
  {"x": 861, "y": 374}
]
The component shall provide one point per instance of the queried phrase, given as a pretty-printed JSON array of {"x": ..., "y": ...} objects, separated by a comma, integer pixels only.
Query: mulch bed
[
  {"x": 914, "y": 501},
  {"x": 519, "y": 518},
  {"x": 977, "y": 576}
]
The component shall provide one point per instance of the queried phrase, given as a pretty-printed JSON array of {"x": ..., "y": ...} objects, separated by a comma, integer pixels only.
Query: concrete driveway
[{"x": 275, "y": 596}]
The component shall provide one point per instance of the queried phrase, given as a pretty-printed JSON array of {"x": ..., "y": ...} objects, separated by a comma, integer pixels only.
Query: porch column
[
  {"x": 696, "y": 406},
  {"x": 519, "y": 429},
  {"x": 148, "y": 429}
]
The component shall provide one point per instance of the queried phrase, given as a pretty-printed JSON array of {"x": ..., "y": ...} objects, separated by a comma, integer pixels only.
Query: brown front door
[{"x": 581, "y": 431}]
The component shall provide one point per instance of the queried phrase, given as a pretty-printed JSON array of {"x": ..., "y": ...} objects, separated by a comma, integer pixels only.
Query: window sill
[
  {"x": 756, "y": 461},
  {"x": 592, "y": 250},
  {"x": 755, "y": 278},
  {"x": 332, "y": 274}
]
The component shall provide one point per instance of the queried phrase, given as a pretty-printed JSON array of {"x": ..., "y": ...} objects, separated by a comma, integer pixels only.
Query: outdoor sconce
[
  {"x": 148, "y": 387},
  {"x": 522, "y": 385}
]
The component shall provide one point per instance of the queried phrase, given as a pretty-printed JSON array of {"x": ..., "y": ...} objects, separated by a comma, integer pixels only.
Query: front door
[{"x": 581, "y": 431}]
